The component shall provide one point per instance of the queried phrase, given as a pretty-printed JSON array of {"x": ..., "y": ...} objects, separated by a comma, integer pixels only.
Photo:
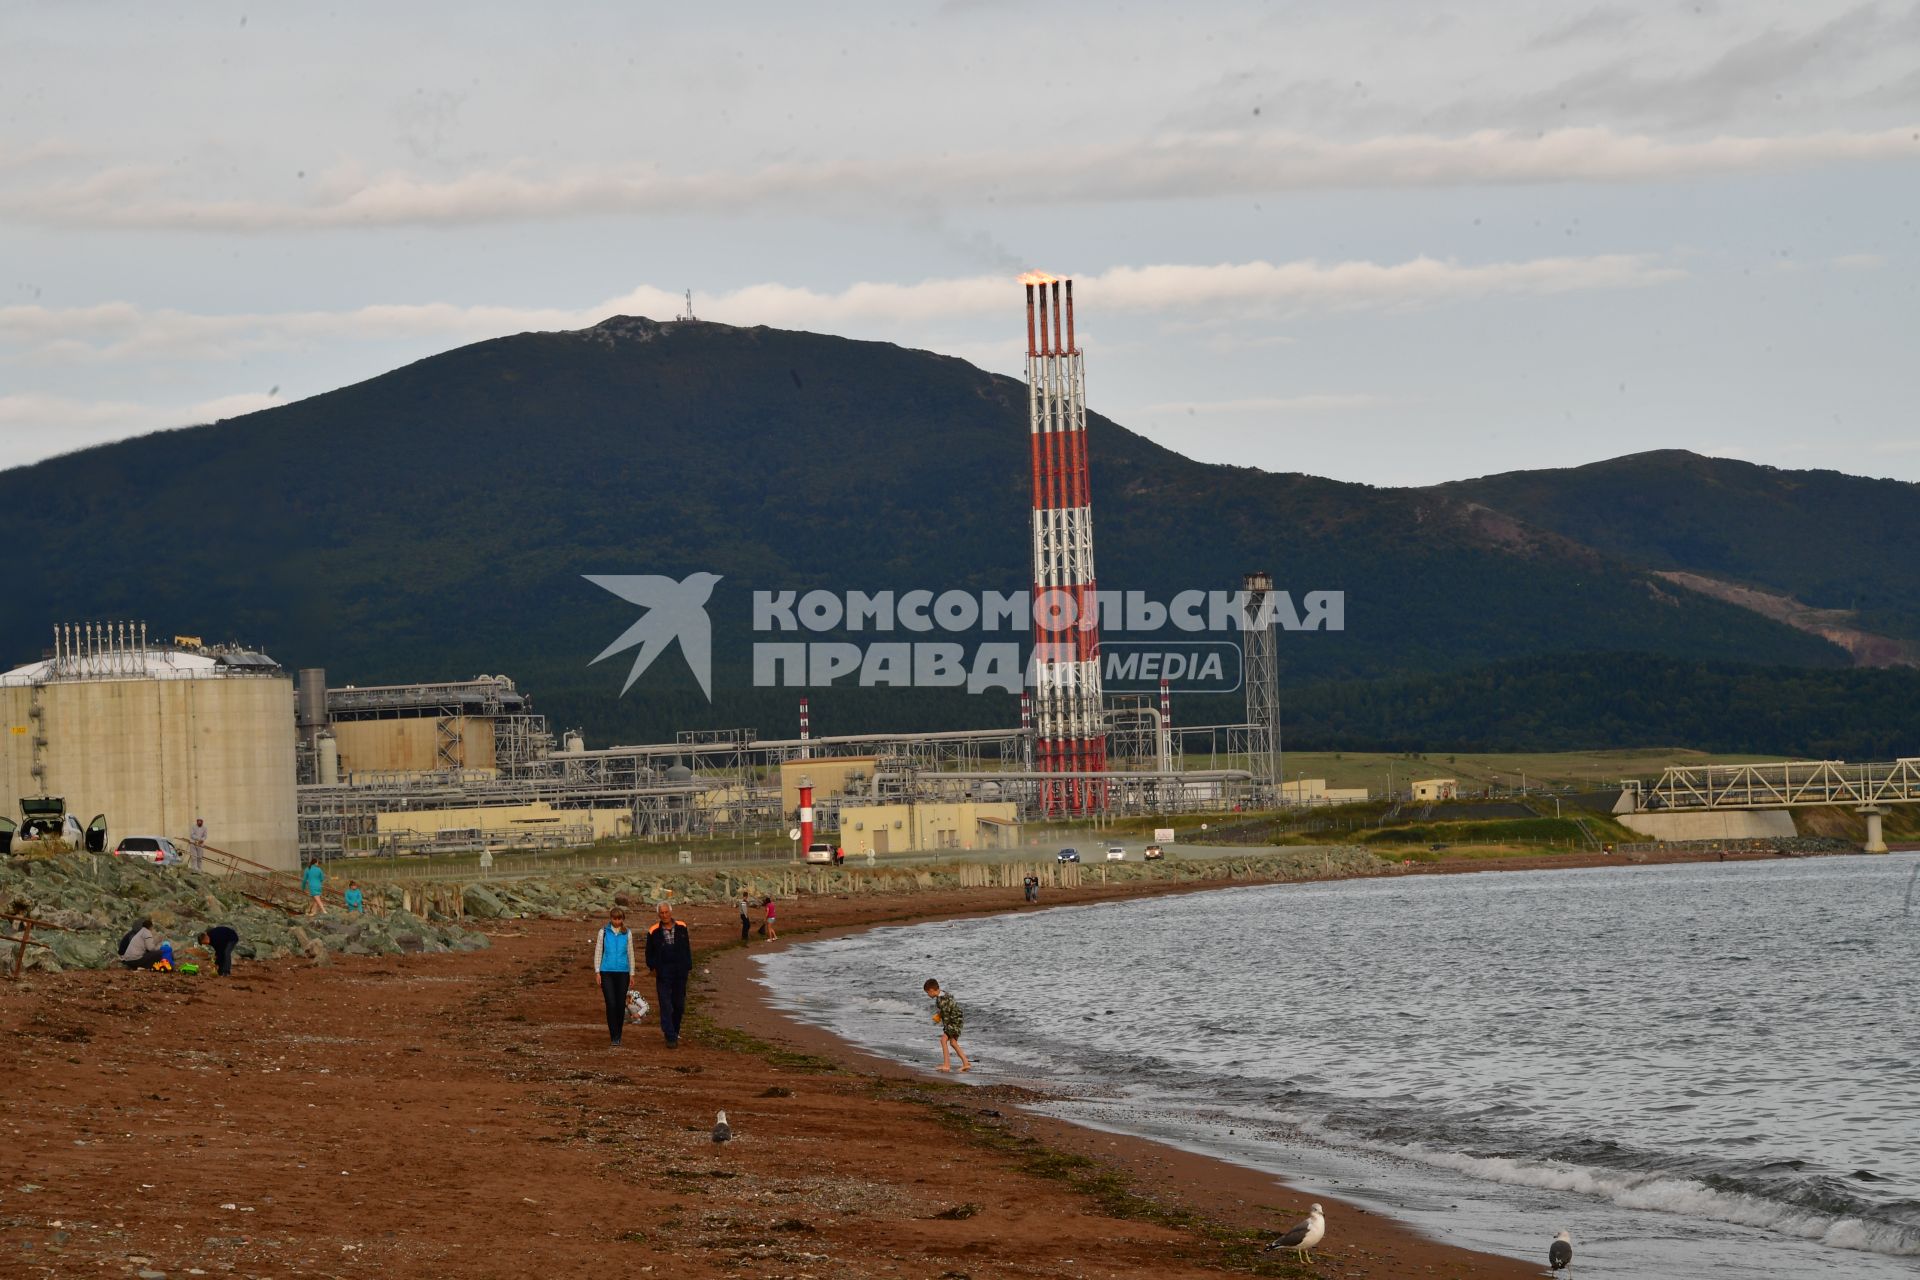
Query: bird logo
[{"x": 674, "y": 611}]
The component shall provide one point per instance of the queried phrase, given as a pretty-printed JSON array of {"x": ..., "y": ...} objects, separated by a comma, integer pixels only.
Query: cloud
[
  {"x": 1859, "y": 261},
  {"x": 1319, "y": 403},
  {"x": 120, "y": 331},
  {"x": 34, "y": 426},
  {"x": 1174, "y": 166}
]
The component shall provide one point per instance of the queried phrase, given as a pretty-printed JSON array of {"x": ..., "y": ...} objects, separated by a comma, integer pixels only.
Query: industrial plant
[{"x": 153, "y": 735}]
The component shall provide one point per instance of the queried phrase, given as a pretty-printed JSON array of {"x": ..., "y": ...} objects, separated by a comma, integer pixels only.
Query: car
[
  {"x": 1154, "y": 853},
  {"x": 1067, "y": 855},
  {"x": 820, "y": 854},
  {"x": 158, "y": 850},
  {"x": 1116, "y": 854}
]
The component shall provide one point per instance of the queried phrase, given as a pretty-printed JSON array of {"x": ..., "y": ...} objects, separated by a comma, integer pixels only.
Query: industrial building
[
  {"x": 1314, "y": 792},
  {"x": 931, "y": 826},
  {"x": 1432, "y": 790},
  {"x": 153, "y": 735},
  {"x": 384, "y": 731}
]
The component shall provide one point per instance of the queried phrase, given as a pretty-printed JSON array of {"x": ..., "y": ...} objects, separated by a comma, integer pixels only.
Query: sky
[{"x": 1378, "y": 241}]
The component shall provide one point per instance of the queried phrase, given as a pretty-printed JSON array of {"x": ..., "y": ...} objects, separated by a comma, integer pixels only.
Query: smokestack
[
  {"x": 806, "y": 731},
  {"x": 1032, "y": 350},
  {"x": 1066, "y": 710}
]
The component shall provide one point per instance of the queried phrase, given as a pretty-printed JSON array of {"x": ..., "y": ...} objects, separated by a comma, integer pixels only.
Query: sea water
[{"x": 1690, "y": 1067}]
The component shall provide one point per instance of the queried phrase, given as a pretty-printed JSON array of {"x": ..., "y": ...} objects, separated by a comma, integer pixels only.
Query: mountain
[
  {"x": 1832, "y": 554},
  {"x": 436, "y": 522}
]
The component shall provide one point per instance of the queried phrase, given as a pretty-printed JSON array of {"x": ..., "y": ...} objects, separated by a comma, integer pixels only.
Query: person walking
[
  {"x": 314, "y": 881},
  {"x": 946, "y": 1012},
  {"x": 613, "y": 968},
  {"x": 197, "y": 843},
  {"x": 769, "y": 927},
  {"x": 222, "y": 938},
  {"x": 670, "y": 956},
  {"x": 746, "y": 917}
]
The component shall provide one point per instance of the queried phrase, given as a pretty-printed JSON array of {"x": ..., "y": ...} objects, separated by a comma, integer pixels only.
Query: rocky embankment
[
  {"x": 576, "y": 895},
  {"x": 94, "y": 900}
]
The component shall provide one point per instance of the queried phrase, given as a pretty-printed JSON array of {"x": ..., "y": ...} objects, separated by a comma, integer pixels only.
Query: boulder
[{"x": 482, "y": 902}]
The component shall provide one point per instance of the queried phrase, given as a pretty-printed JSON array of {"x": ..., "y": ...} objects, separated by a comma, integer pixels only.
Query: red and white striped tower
[
  {"x": 806, "y": 732},
  {"x": 1069, "y": 724},
  {"x": 1166, "y": 703},
  {"x": 806, "y": 816}
]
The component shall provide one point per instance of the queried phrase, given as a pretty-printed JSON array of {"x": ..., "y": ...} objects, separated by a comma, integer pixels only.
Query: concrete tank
[{"x": 154, "y": 739}]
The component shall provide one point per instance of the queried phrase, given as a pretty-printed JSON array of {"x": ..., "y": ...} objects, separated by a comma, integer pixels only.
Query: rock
[{"x": 482, "y": 902}]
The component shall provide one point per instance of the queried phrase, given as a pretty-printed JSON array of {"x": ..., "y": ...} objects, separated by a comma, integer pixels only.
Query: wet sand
[{"x": 464, "y": 1115}]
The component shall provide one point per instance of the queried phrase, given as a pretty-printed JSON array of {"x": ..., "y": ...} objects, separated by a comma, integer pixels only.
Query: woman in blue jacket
[{"x": 613, "y": 965}]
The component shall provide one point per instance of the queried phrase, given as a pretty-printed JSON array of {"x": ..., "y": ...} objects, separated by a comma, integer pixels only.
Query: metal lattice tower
[
  {"x": 1069, "y": 722},
  {"x": 1263, "y": 687}
]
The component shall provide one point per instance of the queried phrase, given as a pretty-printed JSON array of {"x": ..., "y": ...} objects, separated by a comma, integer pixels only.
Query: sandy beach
[{"x": 463, "y": 1115}]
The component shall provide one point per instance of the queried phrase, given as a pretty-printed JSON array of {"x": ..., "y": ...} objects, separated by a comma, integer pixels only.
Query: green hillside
[
  {"x": 435, "y": 523},
  {"x": 1831, "y": 540}
]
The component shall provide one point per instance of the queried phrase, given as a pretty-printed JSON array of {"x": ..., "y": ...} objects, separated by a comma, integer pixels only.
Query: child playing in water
[{"x": 946, "y": 1012}]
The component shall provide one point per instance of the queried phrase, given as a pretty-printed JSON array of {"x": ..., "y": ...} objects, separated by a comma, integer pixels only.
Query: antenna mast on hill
[{"x": 689, "y": 315}]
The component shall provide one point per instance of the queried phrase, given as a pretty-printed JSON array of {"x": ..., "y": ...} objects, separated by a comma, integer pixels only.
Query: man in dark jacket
[
  {"x": 221, "y": 940},
  {"x": 670, "y": 956}
]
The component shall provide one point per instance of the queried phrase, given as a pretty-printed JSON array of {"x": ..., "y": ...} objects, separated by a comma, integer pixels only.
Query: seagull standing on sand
[
  {"x": 1305, "y": 1234},
  {"x": 1560, "y": 1253},
  {"x": 722, "y": 1131}
]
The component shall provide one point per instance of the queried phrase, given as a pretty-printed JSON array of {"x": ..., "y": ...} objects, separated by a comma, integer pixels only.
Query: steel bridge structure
[{"x": 1791, "y": 784}]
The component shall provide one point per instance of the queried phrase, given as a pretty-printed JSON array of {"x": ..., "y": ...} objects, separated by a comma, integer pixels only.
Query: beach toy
[{"x": 189, "y": 967}]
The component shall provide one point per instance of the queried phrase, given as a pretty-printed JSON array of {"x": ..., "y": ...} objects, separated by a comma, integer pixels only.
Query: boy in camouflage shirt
[{"x": 946, "y": 1012}]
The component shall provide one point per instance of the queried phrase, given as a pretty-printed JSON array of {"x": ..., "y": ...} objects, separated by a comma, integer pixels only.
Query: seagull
[
  {"x": 1305, "y": 1234},
  {"x": 1560, "y": 1253},
  {"x": 722, "y": 1131}
]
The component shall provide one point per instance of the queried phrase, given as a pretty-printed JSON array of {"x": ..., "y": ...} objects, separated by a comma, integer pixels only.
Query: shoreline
[
  {"x": 1213, "y": 1188},
  {"x": 416, "y": 1117}
]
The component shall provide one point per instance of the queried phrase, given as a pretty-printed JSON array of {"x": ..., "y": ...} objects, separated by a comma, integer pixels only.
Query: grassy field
[{"x": 1583, "y": 770}]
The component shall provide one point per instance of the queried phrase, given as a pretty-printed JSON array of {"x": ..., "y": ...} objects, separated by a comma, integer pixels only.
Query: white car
[
  {"x": 158, "y": 850},
  {"x": 1116, "y": 854}
]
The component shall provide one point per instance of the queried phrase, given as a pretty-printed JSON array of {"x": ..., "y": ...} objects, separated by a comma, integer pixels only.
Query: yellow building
[
  {"x": 906, "y": 828},
  {"x": 832, "y": 777},
  {"x": 536, "y": 824},
  {"x": 1315, "y": 791},
  {"x": 1428, "y": 790}
]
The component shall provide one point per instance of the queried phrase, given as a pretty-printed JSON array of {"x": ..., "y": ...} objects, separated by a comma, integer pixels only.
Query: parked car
[
  {"x": 1154, "y": 853},
  {"x": 1067, "y": 855},
  {"x": 1116, "y": 854},
  {"x": 820, "y": 853},
  {"x": 158, "y": 850},
  {"x": 46, "y": 818}
]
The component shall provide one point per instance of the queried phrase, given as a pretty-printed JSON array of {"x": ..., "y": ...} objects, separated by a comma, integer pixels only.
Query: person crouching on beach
[
  {"x": 613, "y": 967},
  {"x": 946, "y": 1012}
]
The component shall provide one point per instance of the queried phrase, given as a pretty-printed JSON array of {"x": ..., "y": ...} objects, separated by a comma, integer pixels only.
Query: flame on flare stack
[{"x": 1069, "y": 727}]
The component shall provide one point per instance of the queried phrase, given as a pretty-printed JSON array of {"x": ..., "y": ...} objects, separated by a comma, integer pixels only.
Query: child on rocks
[{"x": 946, "y": 1012}]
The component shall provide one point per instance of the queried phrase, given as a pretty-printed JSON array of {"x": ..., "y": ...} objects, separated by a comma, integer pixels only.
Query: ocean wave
[{"x": 1669, "y": 1194}]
